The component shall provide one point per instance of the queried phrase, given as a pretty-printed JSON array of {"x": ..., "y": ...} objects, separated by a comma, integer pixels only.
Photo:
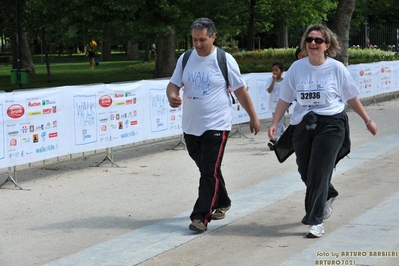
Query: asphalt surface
[{"x": 137, "y": 211}]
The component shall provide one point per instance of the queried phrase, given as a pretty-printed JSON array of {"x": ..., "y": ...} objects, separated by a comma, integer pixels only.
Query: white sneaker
[
  {"x": 328, "y": 209},
  {"x": 315, "y": 231}
]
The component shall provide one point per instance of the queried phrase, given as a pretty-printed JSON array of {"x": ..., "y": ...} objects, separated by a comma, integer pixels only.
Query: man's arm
[
  {"x": 172, "y": 92},
  {"x": 246, "y": 102}
]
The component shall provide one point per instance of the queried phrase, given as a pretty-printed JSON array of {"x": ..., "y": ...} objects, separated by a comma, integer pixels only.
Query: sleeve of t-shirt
[
  {"x": 287, "y": 87},
  {"x": 349, "y": 88},
  {"x": 236, "y": 80},
  {"x": 178, "y": 73}
]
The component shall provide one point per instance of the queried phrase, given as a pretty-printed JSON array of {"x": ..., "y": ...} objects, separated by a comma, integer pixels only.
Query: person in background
[
  {"x": 154, "y": 51},
  {"x": 207, "y": 118},
  {"x": 92, "y": 55},
  {"x": 273, "y": 88},
  {"x": 91, "y": 52},
  {"x": 319, "y": 128},
  {"x": 299, "y": 53}
]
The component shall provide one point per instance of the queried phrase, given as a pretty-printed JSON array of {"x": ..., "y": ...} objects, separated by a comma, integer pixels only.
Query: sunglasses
[{"x": 316, "y": 40}]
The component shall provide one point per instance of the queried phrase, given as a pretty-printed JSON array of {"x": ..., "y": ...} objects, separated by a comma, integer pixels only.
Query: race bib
[{"x": 311, "y": 94}]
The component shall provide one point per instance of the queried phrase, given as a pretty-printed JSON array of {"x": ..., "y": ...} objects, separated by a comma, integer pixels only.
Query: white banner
[
  {"x": 46, "y": 123},
  {"x": 31, "y": 125}
]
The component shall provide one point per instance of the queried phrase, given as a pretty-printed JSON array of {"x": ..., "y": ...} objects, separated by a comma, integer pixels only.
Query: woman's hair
[
  {"x": 204, "y": 23},
  {"x": 329, "y": 36}
]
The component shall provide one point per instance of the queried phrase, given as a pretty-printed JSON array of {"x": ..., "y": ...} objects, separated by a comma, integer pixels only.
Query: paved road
[{"x": 137, "y": 214}]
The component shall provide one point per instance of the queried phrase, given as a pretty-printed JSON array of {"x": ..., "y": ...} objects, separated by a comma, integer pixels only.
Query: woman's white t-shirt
[
  {"x": 323, "y": 89},
  {"x": 206, "y": 102}
]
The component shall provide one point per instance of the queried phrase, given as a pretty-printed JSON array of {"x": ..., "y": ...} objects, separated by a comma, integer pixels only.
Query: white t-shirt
[
  {"x": 206, "y": 102},
  {"x": 322, "y": 89},
  {"x": 274, "y": 95}
]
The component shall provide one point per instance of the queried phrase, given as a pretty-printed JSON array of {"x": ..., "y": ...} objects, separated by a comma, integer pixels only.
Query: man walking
[{"x": 207, "y": 117}]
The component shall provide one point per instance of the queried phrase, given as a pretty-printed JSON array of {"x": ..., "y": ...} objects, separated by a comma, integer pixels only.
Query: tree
[
  {"x": 158, "y": 19},
  {"x": 341, "y": 26},
  {"x": 376, "y": 12},
  {"x": 8, "y": 22}
]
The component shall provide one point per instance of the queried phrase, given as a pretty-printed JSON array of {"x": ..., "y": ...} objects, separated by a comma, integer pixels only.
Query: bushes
[
  {"x": 262, "y": 60},
  {"x": 357, "y": 56}
]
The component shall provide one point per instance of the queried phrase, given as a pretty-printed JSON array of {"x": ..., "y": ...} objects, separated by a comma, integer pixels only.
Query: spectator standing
[{"x": 273, "y": 88}]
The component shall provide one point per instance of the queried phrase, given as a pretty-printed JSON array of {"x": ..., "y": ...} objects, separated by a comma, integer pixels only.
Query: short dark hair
[
  {"x": 279, "y": 65},
  {"x": 204, "y": 23}
]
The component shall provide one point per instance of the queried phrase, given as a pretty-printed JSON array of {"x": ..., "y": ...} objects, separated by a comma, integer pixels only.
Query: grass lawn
[{"x": 75, "y": 70}]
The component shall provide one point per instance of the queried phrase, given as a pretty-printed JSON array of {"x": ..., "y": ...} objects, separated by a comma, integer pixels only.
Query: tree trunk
[
  {"x": 46, "y": 59},
  {"x": 132, "y": 50},
  {"x": 26, "y": 56},
  {"x": 106, "y": 45},
  {"x": 187, "y": 42},
  {"x": 147, "y": 51},
  {"x": 166, "y": 56},
  {"x": 250, "y": 33},
  {"x": 341, "y": 26}
]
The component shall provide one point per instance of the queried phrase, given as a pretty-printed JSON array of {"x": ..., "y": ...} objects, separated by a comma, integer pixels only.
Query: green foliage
[
  {"x": 75, "y": 70},
  {"x": 262, "y": 60},
  {"x": 302, "y": 13},
  {"x": 376, "y": 12},
  {"x": 357, "y": 56}
]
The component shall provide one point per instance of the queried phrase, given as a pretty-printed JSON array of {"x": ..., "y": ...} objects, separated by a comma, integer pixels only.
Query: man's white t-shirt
[
  {"x": 322, "y": 89},
  {"x": 206, "y": 102}
]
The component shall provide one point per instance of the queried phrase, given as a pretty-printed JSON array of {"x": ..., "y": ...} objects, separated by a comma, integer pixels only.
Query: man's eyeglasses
[{"x": 316, "y": 40}]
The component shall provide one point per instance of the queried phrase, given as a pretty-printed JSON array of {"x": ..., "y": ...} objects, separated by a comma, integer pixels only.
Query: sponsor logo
[
  {"x": 53, "y": 135},
  {"x": 13, "y": 142},
  {"x": 105, "y": 101},
  {"x": 15, "y": 111},
  {"x": 34, "y": 104},
  {"x": 13, "y": 133},
  {"x": 44, "y": 102},
  {"x": 47, "y": 111}
]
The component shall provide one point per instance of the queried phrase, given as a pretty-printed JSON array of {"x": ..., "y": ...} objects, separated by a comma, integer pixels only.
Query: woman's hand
[{"x": 372, "y": 127}]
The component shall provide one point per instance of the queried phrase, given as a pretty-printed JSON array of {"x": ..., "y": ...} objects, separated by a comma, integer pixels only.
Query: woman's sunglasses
[{"x": 316, "y": 40}]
